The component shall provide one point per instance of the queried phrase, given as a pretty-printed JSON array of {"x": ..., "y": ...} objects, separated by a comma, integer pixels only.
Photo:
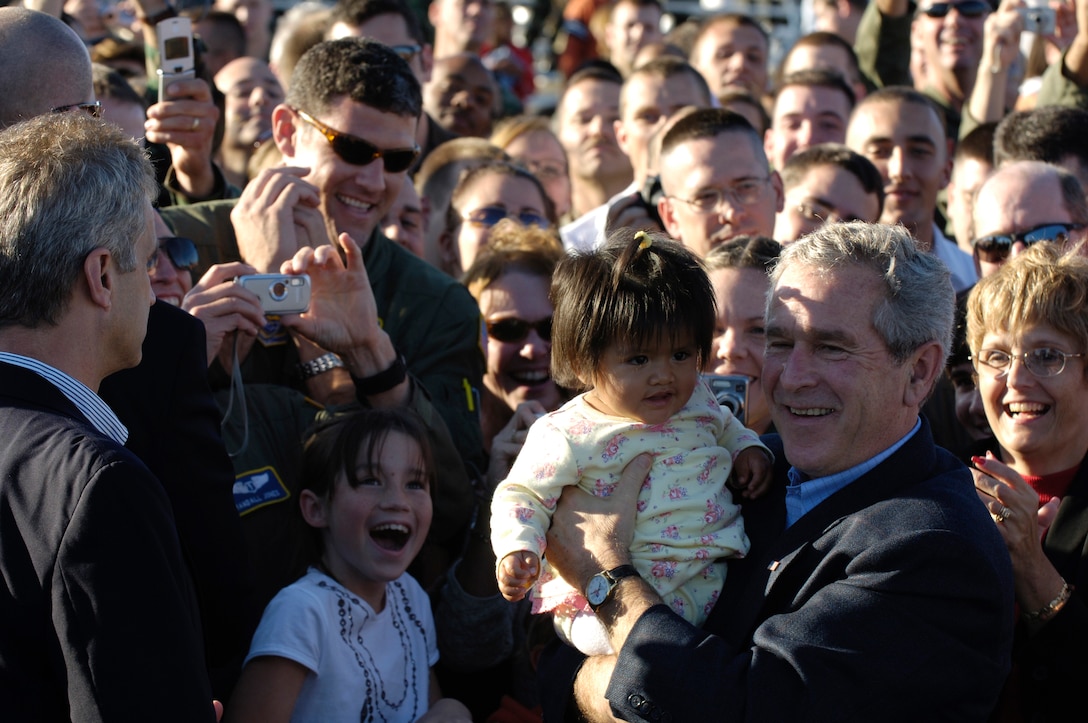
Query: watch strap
[
  {"x": 618, "y": 573},
  {"x": 382, "y": 381}
]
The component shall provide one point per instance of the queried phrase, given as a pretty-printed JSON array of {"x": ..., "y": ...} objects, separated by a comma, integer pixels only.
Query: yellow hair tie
[{"x": 644, "y": 240}]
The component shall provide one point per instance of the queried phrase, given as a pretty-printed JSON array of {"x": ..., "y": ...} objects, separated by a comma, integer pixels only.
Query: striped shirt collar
[{"x": 86, "y": 401}]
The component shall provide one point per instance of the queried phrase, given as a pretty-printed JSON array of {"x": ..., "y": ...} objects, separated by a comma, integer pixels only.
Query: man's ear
[
  {"x": 924, "y": 366},
  {"x": 668, "y": 218},
  {"x": 99, "y": 271},
  {"x": 285, "y": 130},
  {"x": 449, "y": 253},
  {"x": 779, "y": 192},
  {"x": 314, "y": 510},
  {"x": 426, "y": 62},
  {"x": 621, "y": 137}
]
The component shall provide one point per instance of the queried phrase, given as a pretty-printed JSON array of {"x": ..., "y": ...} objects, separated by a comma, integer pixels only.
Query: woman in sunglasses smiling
[
  {"x": 171, "y": 275},
  {"x": 1027, "y": 326},
  {"x": 485, "y": 195}
]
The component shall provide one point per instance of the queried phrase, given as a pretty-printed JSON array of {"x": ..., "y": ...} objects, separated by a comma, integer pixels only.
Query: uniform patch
[
  {"x": 273, "y": 333},
  {"x": 258, "y": 488}
]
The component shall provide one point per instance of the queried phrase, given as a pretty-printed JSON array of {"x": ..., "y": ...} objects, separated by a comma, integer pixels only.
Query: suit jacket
[
  {"x": 97, "y": 615},
  {"x": 891, "y": 600},
  {"x": 173, "y": 426}
]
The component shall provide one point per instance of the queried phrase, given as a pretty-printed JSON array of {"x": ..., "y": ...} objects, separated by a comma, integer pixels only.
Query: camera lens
[{"x": 278, "y": 291}]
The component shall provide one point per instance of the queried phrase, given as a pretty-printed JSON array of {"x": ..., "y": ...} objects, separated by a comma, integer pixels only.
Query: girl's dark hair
[
  {"x": 332, "y": 448},
  {"x": 635, "y": 287}
]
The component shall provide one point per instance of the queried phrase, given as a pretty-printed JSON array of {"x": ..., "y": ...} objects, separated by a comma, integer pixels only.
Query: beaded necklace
[{"x": 380, "y": 706}]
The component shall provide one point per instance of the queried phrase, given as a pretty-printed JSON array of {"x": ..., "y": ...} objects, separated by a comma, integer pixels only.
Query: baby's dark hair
[
  {"x": 332, "y": 447},
  {"x": 636, "y": 287}
]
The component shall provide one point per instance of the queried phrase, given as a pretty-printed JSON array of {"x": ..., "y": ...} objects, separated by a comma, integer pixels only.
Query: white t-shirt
[{"x": 364, "y": 666}]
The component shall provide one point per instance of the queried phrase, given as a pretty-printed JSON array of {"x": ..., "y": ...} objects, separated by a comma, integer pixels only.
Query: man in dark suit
[
  {"x": 875, "y": 588},
  {"x": 165, "y": 401},
  {"x": 98, "y": 619}
]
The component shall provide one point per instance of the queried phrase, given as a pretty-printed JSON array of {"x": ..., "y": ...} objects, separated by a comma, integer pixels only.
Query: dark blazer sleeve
[{"x": 122, "y": 606}]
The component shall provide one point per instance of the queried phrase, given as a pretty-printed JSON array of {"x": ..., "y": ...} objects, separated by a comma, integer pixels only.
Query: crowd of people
[{"x": 712, "y": 390}]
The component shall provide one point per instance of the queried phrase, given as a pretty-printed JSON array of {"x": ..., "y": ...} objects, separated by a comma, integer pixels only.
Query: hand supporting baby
[{"x": 516, "y": 574}]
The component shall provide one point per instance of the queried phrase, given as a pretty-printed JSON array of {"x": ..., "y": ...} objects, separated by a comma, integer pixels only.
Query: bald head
[{"x": 45, "y": 65}]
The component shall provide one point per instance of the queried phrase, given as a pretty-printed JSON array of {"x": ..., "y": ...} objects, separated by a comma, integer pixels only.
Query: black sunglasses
[
  {"x": 996, "y": 248},
  {"x": 358, "y": 152},
  {"x": 513, "y": 330},
  {"x": 968, "y": 9},
  {"x": 180, "y": 250}
]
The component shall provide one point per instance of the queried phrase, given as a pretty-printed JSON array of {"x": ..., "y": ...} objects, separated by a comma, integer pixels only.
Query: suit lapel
[
  {"x": 1065, "y": 543},
  {"x": 781, "y": 560}
]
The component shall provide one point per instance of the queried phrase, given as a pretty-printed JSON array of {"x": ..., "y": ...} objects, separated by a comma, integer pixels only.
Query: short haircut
[
  {"x": 900, "y": 95},
  {"x": 818, "y": 78},
  {"x": 666, "y": 67},
  {"x": 606, "y": 73},
  {"x": 823, "y": 38},
  {"x": 70, "y": 184},
  {"x": 300, "y": 28},
  {"x": 977, "y": 145},
  {"x": 357, "y": 12},
  {"x": 1049, "y": 134},
  {"x": 513, "y": 249},
  {"x": 834, "y": 154},
  {"x": 708, "y": 123},
  {"x": 1042, "y": 285},
  {"x": 512, "y": 127},
  {"x": 918, "y": 303},
  {"x": 228, "y": 24},
  {"x": 470, "y": 175},
  {"x": 744, "y": 252},
  {"x": 729, "y": 19},
  {"x": 736, "y": 95},
  {"x": 637, "y": 3},
  {"x": 362, "y": 70},
  {"x": 638, "y": 288},
  {"x": 108, "y": 83},
  {"x": 438, "y": 174}
]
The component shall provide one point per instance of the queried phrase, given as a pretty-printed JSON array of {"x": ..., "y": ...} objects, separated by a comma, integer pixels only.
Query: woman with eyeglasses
[
  {"x": 483, "y": 637},
  {"x": 1027, "y": 326},
  {"x": 485, "y": 195}
]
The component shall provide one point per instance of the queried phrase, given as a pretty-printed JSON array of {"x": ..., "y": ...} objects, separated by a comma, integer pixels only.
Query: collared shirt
[
  {"x": 803, "y": 494},
  {"x": 586, "y": 233},
  {"x": 90, "y": 405},
  {"x": 958, "y": 261}
]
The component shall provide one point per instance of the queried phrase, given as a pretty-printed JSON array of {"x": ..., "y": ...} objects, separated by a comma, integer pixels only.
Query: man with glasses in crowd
[
  {"x": 1024, "y": 203},
  {"x": 347, "y": 135},
  {"x": 716, "y": 181},
  {"x": 949, "y": 36}
]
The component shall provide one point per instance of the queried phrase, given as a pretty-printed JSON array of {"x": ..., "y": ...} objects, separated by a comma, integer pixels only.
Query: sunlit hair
[
  {"x": 513, "y": 248},
  {"x": 71, "y": 184},
  {"x": 471, "y": 175},
  {"x": 638, "y": 289},
  {"x": 918, "y": 303},
  {"x": 1042, "y": 285},
  {"x": 744, "y": 252}
]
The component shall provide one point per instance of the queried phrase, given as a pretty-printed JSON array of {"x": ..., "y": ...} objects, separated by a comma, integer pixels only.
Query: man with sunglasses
[
  {"x": 394, "y": 23},
  {"x": 1024, "y": 203},
  {"x": 347, "y": 135},
  {"x": 949, "y": 36}
]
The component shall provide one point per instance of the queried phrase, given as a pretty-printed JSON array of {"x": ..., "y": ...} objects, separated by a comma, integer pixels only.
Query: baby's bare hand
[
  {"x": 516, "y": 574},
  {"x": 752, "y": 473}
]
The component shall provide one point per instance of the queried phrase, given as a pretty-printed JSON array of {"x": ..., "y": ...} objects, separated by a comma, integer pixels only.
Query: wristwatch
[
  {"x": 320, "y": 365},
  {"x": 602, "y": 586}
]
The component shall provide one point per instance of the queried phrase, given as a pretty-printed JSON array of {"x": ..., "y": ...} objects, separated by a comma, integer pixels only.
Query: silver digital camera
[
  {"x": 279, "y": 293},
  {"x": 731, "y": 391}
]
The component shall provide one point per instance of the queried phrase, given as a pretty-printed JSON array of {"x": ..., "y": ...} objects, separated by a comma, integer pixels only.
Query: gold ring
[
  {"x": 1002, "y": 514},
  {"x": 196, "y": 123}
]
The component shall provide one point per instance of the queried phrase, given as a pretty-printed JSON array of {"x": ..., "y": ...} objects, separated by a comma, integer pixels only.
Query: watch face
[{"x": 597, "y": 590}]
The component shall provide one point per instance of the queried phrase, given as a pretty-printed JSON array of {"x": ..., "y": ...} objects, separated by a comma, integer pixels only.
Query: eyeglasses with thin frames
[
  {"x": 742, "y": 193},
  {"x": 488, "y": 216},
  {"x": 91, "y": 107},
  {"x": 359, "y": 152},
  {"x": 1042, "y": 362}
]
